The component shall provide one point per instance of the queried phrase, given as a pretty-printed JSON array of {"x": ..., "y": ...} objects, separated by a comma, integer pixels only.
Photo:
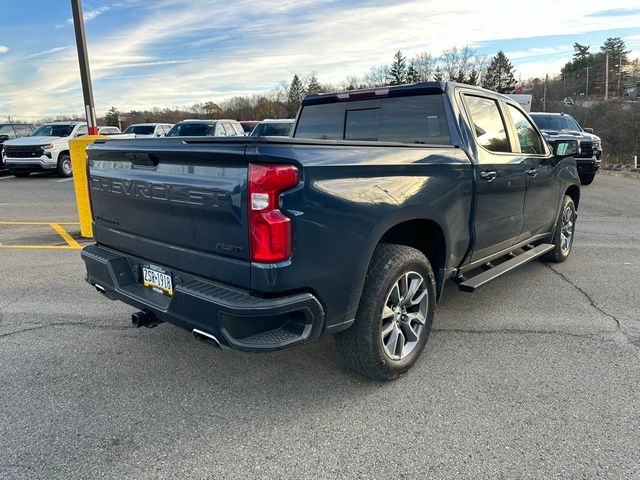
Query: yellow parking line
[
  {"x": 37, "y": 223},
  {"x": 63, "y": 233},
  {"x": 43, "y": 247}
]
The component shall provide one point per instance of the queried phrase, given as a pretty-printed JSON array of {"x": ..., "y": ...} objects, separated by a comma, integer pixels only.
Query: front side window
[
  {"x": 487, "y": 123},
  {"x": 8, "y": 131},
  {"x": 529, "y": 139}
]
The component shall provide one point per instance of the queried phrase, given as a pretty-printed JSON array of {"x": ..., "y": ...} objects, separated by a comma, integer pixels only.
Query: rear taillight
[{"x": 269, "y": 228}]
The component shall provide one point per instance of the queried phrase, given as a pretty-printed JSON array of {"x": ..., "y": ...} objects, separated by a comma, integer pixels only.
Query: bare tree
[
  {"x": 377, "y": 76},
  {"x": 423, "y": 65}
]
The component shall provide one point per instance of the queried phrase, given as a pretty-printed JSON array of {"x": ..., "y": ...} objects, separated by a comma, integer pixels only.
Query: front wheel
[
  {"x": 394, "y": 316},
  {"x": 587, "y": 179},
  {"x": 64, "y": 165},
  {"x": 563, "y": 232}
]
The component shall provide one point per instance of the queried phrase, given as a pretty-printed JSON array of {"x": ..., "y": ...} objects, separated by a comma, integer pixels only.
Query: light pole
[
  {"x": 83, "y": 59},
  {"x": 606, "y": 77}
]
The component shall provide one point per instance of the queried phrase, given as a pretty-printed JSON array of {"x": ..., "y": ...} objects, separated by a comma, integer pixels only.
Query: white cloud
[
  {"x": 4, "y": 49},
  {"x": 87, "y": 15},
  {"x": 46, "y": 52},
  {"x": 275, "y": 39}
]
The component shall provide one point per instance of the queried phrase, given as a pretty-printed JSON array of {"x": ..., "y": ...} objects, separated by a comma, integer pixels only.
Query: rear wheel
[
  {"x": 587, "y": 179},
  {"x": 563, "y": 233},
  {"x": 394, "y": 316},
  {"x": 64, "y": 165},
  {"x": 21, "y": 174}
]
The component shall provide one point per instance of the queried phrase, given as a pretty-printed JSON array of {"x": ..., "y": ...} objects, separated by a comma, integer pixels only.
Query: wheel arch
[
  {"x": 426, "y": 236},
  {"x": 574, "y": 192}
]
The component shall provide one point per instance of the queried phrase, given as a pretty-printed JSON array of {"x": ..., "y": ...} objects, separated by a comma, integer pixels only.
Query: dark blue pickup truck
[{"x": 351, "y": 227}]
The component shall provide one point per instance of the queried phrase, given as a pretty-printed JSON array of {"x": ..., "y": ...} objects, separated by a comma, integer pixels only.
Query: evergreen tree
[
  {"x": 295, "y": 94},
  {"x": 111, "y": 117},
  {"x": 412, "y": 74},
  {"x": 499, "y": 76},
  {"x": 616, "y": 49},
  {"x": 313, "y": 86},
  {"x": 438, "y": 76},
  {"x": 474, "y": 77},
  {"x": 398, "y": 70},
  {"x": 580, "y": 52}
]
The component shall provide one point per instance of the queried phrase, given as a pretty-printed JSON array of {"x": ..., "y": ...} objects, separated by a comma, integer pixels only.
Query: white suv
[{"x": 47, "y": 149}]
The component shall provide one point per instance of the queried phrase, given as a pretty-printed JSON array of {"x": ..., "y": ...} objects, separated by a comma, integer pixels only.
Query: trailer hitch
[{"x": 144, "y": 319}]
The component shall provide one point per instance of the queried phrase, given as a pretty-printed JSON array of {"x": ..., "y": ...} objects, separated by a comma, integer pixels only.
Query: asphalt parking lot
[{"x": 535, "y": 376}]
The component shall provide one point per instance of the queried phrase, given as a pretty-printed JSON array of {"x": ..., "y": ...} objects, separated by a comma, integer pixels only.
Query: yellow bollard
[{"x": 78, "y": 152}]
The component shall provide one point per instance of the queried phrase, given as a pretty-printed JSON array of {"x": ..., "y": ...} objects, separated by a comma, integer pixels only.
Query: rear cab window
[{"x": 416, "y": 119}]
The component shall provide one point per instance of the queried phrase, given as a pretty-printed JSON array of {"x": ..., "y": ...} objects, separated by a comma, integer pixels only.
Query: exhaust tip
[
  {"x": 99, "y": 288},
  {"x": 206, "y": 337}
]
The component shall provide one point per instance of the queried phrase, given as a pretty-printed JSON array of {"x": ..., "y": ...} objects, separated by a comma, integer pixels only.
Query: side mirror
[
  {"x": 588, "y": 130},
  {"x": 4, "y": 138},
  {"x": 565, "y": 148}
]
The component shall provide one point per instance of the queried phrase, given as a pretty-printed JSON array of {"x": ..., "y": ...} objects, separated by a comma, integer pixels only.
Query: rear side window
[
  {"x": 324, "y": 122},
  {"x": 487, "y": 123},
  {"x": 417, "y": 119}
]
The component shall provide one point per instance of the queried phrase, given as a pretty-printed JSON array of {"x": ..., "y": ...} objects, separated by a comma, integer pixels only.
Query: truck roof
[{"x": 395, "y": 90}]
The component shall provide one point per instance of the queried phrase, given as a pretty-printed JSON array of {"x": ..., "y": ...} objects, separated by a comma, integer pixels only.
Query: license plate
[{"x": 158, "y": 279}]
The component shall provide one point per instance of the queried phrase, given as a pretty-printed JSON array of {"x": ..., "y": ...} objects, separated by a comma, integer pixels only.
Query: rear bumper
[{"x": 236, "y": 318}]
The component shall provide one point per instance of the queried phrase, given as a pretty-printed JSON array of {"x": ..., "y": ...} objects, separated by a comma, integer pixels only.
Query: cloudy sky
[{"x": 147, "y": 53}]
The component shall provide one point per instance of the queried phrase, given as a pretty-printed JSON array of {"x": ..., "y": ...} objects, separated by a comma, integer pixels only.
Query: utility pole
[
  {"x": 619, "y": 76},
  {"x": 586, "y": 94},
  {"x": 83, "y": 59},
  {"x": 606, "y": 77},
  {"x": 544, "y": 94}
]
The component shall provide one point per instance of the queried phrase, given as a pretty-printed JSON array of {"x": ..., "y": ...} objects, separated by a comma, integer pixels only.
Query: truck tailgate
[{"x": 176, "y": 204}]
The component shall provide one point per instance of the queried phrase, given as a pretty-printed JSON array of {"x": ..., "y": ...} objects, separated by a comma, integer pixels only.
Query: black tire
[
  {"x": 21, "y": 174},
  {"x": 560, "y": 253},
  {"x": 587, "y": 179},
  {"x": 64, "y": 165},
  {"x": 362, "y": 345}
]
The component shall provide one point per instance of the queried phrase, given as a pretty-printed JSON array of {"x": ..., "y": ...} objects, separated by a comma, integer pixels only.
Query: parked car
[
  {"x": 46, "y": 150},
  {"x": 351, "y": 228},
  {"x": 274, "y": 128},
  {"x": 11, "y": 131},
  {"x": 206, "y": 128},
  {"x": 109, "y": 131},
  {"x": 589, "y": 157},
  {"x": 148, "y": 129},
  {"x": 248, "y": 126}
]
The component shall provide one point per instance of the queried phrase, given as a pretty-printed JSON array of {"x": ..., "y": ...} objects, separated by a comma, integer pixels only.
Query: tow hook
[{"x": 144, "y": 319}]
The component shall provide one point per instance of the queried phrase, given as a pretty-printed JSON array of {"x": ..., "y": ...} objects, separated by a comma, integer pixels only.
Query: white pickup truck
[{"x": 47, "y": 149}]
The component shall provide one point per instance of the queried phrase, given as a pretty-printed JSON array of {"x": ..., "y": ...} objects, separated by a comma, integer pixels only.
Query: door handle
[
  {"x": 532, "y": 172},
  {"x": 488, "y": 175}
]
